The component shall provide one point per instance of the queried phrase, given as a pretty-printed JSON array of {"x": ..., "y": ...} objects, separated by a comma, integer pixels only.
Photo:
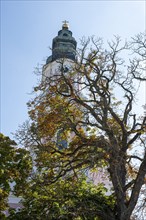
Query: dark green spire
[{"x": 64, "y": 45}]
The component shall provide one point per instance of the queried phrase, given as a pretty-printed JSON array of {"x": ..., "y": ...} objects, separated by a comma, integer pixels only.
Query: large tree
[{"x": 91, "y": 107}]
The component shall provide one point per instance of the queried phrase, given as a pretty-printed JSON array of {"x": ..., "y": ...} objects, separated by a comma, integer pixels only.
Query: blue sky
[{"x": 27, "y": 30}]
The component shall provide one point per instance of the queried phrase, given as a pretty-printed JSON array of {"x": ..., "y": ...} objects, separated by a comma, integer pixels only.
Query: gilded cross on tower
[{"x": 65, "y": 24}]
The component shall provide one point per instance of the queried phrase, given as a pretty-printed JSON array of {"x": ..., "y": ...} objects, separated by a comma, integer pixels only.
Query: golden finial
[{"x": 65, "y": 25}]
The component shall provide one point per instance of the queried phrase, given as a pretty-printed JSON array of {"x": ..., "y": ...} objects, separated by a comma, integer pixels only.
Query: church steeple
[{"x": 63, "y": 45}]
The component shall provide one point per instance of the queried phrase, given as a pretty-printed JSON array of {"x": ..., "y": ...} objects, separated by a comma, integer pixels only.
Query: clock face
[{"x": 66, "y": 69}]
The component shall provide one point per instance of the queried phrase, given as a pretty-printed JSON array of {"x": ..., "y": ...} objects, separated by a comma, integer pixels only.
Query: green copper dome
[{"x": 64, "y": 45}]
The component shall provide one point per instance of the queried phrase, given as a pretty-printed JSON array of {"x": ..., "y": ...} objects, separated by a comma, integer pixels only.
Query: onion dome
[{"x": 64, "y": 45}]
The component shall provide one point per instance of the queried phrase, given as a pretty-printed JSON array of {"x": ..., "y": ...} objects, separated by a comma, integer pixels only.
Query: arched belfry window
[
  {"x": 61, "y": 143},
  {"x": 63, "y": 87}
]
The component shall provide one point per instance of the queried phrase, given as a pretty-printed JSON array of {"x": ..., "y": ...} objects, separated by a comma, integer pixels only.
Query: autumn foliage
[{"x": 81, "y": 121}]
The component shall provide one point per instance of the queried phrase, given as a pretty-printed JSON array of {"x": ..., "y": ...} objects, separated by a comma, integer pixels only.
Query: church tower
[
  {"x": 63, "y": 47},
  {"x": 63, "y": 52}
]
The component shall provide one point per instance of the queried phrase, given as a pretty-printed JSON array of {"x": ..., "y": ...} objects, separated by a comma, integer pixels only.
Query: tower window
[
  {"x": 65, "y": 35},
  {"x": 61, "y": 144}
]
